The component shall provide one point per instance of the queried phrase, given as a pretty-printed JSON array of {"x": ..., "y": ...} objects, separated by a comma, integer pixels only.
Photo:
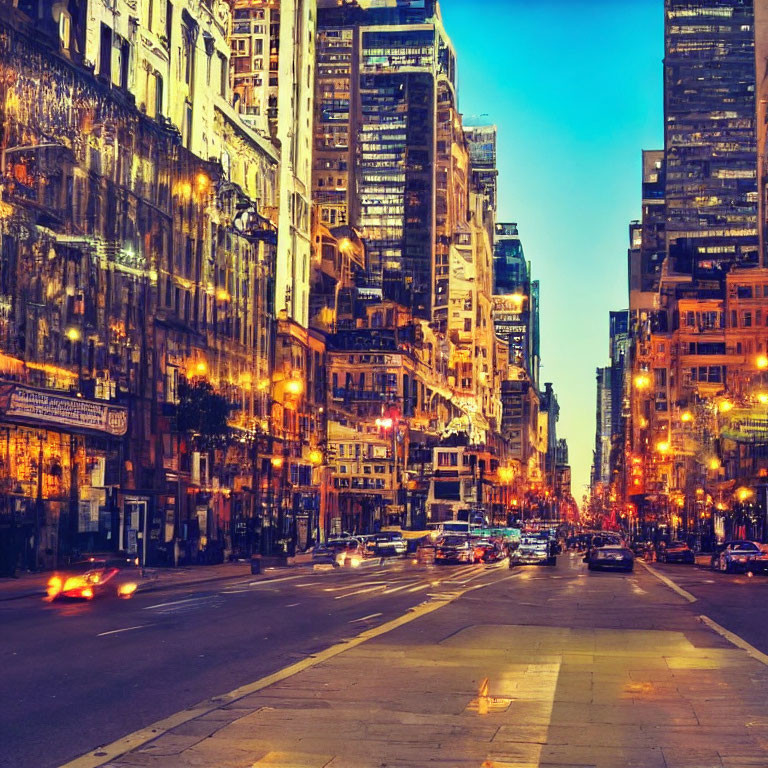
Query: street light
[
  {"x": 662, "y": 446},
  {"x": 762, "y": 362},
  {"x": 294, "y": 386},
  {"x": 686, "y": 416},
  {"x": 725, "y": 406},
  {"x": 642, "y": 381}
]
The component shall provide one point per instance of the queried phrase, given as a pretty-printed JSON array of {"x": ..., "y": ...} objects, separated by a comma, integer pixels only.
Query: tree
[{"x": 203, "y": 413}]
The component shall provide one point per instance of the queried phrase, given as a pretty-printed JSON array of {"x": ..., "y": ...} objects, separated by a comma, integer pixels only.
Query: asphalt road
[
  {"x": 74, "y": 676},
  {"x": 77, "y": 675},
  {"x": 735, "y": 601}
]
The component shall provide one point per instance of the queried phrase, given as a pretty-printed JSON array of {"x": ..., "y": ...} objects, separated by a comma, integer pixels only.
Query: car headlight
[
  {"x": 74, "y": 582},
  {"x": 54, "y": 586}
]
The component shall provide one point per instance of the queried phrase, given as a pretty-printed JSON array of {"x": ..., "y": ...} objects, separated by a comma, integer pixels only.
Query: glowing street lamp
[
  {"x": 384, "y": 423},
  {"x": 714, "y": 464},
  {"x": 316, "y": 457},
  {"x": 663, "y": 447},
  {"x": 642, "y": 381},
  {"x": 725, "y": 406},
  {"x": 763, "y": 398},
  {"x": 294, "y": 386},
  {"x": 686, "y": 416},
  {"x": 762, "y": 362},
  {"x": 73, "y": 334},
  {"x": 744, "y": 493}
]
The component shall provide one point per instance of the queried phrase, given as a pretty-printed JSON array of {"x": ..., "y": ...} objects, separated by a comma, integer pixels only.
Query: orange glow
[
  {"x": 277, "y": 462},
  {"x": 744, "y": 493},
  {"x": 127, "y": 589},
  {"x": 54, "y": 586},
  {"x": 87, "y": 593},
  {"x": 384, "y": 423},
  {"x": 762, "y": 362},
  {"x": 642, "y": 381},
  {"x": 201, "y": 368},
  {"x": 662, "y": 447},
  {"x": 294, "y": 386},
  {"x": 316, "y": 456},
  {"x": 686, "y": 416},
  {"x": 222, "y": 295},
  {"x": 725, "y": 406}
]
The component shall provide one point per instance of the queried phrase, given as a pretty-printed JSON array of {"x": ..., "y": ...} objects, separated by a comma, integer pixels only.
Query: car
[
  {"x": 386, "y": 544},
  {"x": 759, "y": 564},
  {"x": 615, "y": 558},
  {"x": 534, "y": 550},
  {"x": 487, "y": 551},
  {"x": 96, "y": 576},
  {"x": 676, "y": 552},
  {"x": 454, "y": 549},
  {"x": 734, "y": 556},
  {"x": 347, "y": 551}
]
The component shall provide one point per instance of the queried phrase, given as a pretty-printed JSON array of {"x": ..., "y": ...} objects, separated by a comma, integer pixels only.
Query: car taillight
[
  {"x": 127, "y": 589},
  {"x": 87, "y": 593},
  {"x": 54, "y": 586}
]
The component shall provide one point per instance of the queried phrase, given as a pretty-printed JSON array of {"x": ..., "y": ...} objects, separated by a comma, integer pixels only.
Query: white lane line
[
  {"x": 419, "y": 587},
  {"x": 739, "y": 642},
  {"x": 272, "y": 581},
  {"x": 175, "y": 602},
  {"x": 671, "y": 584},
  {"x": 355, "y": 584},
  {"x": 357, "y": 592},
  {"x": 292, "y": 605},
  {"x": 365, "y": 618},
  {"x": 396, "y": 589},
  {"x": 124, "y": 629}
]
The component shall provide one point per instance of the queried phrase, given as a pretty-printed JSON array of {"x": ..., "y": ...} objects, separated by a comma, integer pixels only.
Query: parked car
[
  {"x": 454, "y": 549},
  {"x": 676, "y": 552},
  {"x": 734, "y": 556},
  {"x": 487, "y": 551},
  {"x": 759, "y": 564},
  {"x": 97, "y": 576},
  {"x": 618, "y": 558},
  {"x": 386, "y": 544}
]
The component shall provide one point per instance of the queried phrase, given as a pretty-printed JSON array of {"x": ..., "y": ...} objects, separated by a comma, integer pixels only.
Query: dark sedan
[
  {"x": 611, "y": 559},
  {"x": 454, "y": 549},
  {"x": 677, "y": 552}
]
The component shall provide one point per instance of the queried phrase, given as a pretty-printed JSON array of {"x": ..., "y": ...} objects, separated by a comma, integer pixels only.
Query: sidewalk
[{"x": 34, "y": 584}]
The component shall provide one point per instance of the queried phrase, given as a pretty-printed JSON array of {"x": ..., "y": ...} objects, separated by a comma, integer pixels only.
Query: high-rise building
[
  {"x": 482, "y": 155},
  {"x": 710, "y": 136},
  {"x": 601, "y": 471},
  {"x": 273, "y": 65},
  {"x": 383, "y": 73}
]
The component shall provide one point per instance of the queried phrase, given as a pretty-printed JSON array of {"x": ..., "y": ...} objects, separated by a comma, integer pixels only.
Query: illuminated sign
[{"x": 35, "y": 405}]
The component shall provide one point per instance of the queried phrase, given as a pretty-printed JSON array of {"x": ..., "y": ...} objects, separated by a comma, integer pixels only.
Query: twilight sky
[{"x": 575, "y": 87}]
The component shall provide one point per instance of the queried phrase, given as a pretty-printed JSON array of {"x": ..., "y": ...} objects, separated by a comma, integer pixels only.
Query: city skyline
[{"x": 539, "y": 146}]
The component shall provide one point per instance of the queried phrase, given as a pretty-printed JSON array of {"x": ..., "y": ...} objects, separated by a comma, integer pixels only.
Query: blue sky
[{"x": 575, "y": 87}]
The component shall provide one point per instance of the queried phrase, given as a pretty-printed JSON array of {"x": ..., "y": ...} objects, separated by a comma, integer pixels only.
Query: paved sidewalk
[{"x": 454, "y": 690}]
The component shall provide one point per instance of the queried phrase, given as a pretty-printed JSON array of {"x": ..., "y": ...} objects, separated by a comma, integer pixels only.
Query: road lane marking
[
  {"x": 109, "y": 752},
  {"x": 272, "y": 581},
  {"x": 175, "y": 602},
  {"x": 671, "y": 584},
  {"x": 392, "y": 590},
  {"x": 124, "y": 629},
  {"x": 365, "y": 618},
  {"x": 419, "y": 587},
  {"x": 357, "y": 592},
  {"x": 292, "y": 605},
  {"x": 733, "y": 638}
]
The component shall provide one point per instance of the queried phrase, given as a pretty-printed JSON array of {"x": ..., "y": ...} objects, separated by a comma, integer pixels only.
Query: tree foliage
[{"x": 203, "y": 413}]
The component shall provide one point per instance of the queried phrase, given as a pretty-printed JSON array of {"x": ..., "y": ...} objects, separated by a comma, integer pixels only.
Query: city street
[{"x": 531, "y": 667}]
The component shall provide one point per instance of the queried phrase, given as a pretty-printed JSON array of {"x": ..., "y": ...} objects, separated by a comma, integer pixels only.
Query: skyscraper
[
  {"x": 482, "y": 155},
  {"x": 382, "y": 72},
  {"x": 710, "y": 136}
]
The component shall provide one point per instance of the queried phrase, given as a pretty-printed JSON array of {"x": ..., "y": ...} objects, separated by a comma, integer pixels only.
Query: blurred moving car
[
  {"x": 386, "y": 544},
  {"x": 98, "y": 576},
  {"x": 487, "y": 551},
  {"x": 454, "y": 549},
  {"x": 348, "y": 551},
  {"x": 676, "y": 552},
  {"x": 534, "y": 550},
  {"x": 734, "y": 556},
  {"x": 615, "y": 558}
]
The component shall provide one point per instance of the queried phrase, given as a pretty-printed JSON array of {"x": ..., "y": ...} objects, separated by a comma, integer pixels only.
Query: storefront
[{"x": 59, "y": 475}]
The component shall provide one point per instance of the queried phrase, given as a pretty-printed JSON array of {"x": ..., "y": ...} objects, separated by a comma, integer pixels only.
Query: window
[
  {"x": 445, "y": 459},
  {"x": 747, "y": 319},
  {"x": 223, "y": 75},
  {"x": 468, "y": 324},
  {"x": 105, "y": 52}
]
